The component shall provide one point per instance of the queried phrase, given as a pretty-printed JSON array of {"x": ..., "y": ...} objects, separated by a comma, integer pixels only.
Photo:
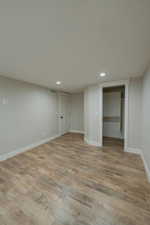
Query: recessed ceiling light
[
  {"x": 58, "y": 82},
  {"x": 102, "y": 74}
]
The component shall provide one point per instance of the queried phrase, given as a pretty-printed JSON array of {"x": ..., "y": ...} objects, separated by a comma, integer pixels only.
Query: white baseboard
[
  {"x": 24, "y": 149},
  {"x": 146, "y": 166},
  {"x": 94, "y": 143},
  {"x": 76, "y": 131},
  {"x": 133, "y": 150},
  {"x": 140, "y": 152}
]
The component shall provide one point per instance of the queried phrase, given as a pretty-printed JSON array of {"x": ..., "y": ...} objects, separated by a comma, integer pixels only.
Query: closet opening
[{"x": 114, "y": 117}]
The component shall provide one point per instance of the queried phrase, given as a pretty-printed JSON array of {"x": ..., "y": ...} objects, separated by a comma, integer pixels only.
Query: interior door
[{"x": 64, "y": 113}]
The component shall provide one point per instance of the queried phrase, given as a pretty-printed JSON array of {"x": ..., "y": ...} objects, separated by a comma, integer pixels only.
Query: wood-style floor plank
[{"x": 67, "y": 182}]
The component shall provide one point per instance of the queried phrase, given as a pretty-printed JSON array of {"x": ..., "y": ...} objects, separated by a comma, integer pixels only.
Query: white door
[{"x": 64, "y": 113}]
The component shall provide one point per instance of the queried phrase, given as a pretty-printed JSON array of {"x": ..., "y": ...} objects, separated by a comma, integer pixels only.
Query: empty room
[{"x": 75, "y": 112}]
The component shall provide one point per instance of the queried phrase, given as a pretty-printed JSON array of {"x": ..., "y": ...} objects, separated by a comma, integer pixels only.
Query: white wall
[
  {"x": 92, "y": 112},
  {"x": 112, "y": 108},
  {"x": 77, "y": 111},
  {"x": 28, "y": 114},
  {"x": 134, "y": 117},
  {"x": 146, "y": 118}
]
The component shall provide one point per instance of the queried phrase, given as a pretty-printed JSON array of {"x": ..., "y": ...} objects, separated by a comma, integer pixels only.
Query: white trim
[
  {"x": 146, "y": 167},
  {"x": 112, "y": 84},
  {"x": 76, "y": 131},
  {"x": 101, "y": 118},
  {"x": 140, "y": 152},
  {"x": 61, "y": 113},
  {"x": 115, "y": 83},
  {"x": 133, "y": 150},
  {"x": 94, "y": 143},
  {"x": 24, "y": 149}
]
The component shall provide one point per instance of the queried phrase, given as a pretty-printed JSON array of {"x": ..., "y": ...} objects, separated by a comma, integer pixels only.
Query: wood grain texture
[
  {"x": 67, "y": 182},
  {"x": 115, "y": 143},
  {"x": 112, "y": 119}
]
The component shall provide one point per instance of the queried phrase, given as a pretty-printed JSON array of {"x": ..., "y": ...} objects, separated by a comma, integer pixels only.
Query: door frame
[
  {"x": 60, "y": 94},
  {"x": 112, "y": 84}
]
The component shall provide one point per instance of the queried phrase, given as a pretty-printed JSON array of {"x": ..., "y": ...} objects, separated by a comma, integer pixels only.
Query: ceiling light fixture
[
  {"x": 102, "y": 74},
  {"x": 58, "y": 82}
]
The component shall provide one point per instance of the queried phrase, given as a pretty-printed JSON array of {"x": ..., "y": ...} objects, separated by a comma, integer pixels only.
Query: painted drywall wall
[
  {"x": 77, "y": 111},
  {"x": 92, "y": 112},
  {"x": 134, "y": 117},
  {"x": 146, "y": 118},
  {"x": 112, "y": 108},
  {"x": 28, "y": 114}
]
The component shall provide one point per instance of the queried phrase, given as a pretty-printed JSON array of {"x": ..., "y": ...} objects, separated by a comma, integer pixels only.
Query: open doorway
[
  {"x": 114, "y": 116},
  {"x": 63, "y": 113}
]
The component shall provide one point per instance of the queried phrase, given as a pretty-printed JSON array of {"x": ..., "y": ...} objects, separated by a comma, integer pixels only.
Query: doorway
[
  {"x": 64, "y": 113},
  {"x": 114, "y": 116}
]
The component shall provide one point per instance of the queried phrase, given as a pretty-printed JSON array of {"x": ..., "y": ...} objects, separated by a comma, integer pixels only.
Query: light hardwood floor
[
  {"x": 67, "y": 182},
  {"x": 117, "y": 143}
]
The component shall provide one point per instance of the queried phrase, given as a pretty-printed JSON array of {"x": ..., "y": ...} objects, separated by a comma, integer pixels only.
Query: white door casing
[
  {"x": 114, "y": 84},
  {"x": 64, "y": 113},
  {"x": 93, "y": 112}
]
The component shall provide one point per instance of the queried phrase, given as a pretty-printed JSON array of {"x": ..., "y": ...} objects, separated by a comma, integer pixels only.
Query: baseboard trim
[
  {"x": 76, "y": 131},
  {"x": 27, "y": 148},
  {"x": 94, "y": 143},
  {"x": 146, "y": 167},
  {"x": 140, "y": 152},
  {"x": 133, "y": 150}
]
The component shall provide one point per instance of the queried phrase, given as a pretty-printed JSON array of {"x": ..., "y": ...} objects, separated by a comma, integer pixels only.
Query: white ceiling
[{"x": 42, "y": 41}]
